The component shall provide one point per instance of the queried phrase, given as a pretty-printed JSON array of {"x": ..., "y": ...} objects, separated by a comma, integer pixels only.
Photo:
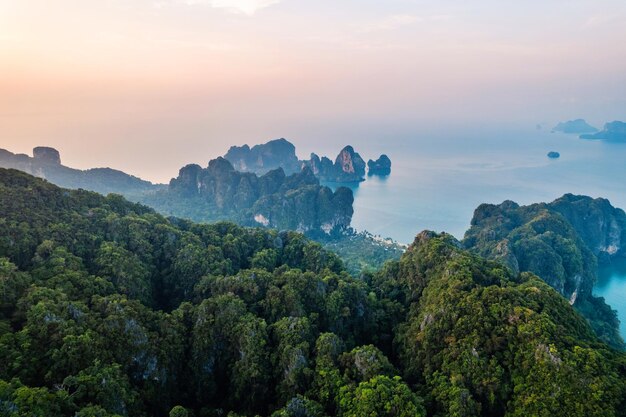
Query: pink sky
[{"x": 149, "y": 85}]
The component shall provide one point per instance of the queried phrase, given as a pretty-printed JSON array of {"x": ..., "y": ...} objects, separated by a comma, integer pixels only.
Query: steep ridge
[{"x": 561, "y": 242}]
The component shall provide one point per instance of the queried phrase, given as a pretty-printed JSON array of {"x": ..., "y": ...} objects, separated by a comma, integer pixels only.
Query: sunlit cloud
[{"x": 248, "y": 7}]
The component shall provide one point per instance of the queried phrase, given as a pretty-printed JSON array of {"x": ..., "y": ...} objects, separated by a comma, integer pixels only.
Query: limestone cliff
[
  {"x": 382, "y": 166},
  {"x": 260, "y": 159},
  {"x": 348, "y": 167},
  {"x": 562, "y": 242},
  {"x": 219, "y": 192}
]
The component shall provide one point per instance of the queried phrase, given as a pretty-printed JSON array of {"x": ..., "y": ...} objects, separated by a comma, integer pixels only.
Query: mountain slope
[
  {"x": 109, "y": 309},
  {"x": 561, "y": 242}
]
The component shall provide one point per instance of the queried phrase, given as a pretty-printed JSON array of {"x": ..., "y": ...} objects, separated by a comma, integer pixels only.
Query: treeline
[{"x": 108, "y": 309}]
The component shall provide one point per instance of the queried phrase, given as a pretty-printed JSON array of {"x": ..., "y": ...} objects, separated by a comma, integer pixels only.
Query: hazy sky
[{"x": 149, "y": 85}]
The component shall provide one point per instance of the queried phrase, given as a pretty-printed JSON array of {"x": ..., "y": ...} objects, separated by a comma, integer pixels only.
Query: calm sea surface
[
  {"x": 437, "y": 182},
  {"x": 612, "y": 286}
]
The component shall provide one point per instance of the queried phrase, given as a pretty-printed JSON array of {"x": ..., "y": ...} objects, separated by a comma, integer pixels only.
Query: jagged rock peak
[{"x": 350, "y": 162}]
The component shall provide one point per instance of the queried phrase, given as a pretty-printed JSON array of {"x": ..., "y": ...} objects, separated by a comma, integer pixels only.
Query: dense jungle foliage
[
  {"x": 109, "y": 309},
  {"x": 562, "y": 242}
]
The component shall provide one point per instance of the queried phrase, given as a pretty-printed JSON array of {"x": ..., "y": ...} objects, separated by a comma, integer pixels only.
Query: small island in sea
[
  {"x": 613, "y": 132},
  {"x": 578, "y": 127},
  {"x": 380, "y": 167}
]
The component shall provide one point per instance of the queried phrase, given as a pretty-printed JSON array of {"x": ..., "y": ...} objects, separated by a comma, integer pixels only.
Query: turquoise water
[
  {"x": 437, "y": 181},
  {"x": 612, "y": 286}
]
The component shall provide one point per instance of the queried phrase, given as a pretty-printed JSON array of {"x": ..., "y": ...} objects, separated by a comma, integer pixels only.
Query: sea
[{"x": 437, "y": 182}]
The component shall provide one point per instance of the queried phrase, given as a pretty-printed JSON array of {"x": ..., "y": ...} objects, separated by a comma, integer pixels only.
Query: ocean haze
[{"x": 147, "y": 86}]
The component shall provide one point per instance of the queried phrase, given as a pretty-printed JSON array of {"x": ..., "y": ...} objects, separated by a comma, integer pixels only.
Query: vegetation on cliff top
[
  {"x": 109, "y": 309},
  {"x": 561, "y": 242}
]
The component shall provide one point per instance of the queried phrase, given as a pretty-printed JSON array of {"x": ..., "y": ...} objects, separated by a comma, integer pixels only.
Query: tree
[{"x": 381, "y": 396}]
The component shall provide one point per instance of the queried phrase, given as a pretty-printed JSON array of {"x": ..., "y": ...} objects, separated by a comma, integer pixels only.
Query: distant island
[
  {"x": 348, "y": 166},
  {"x": 381, "y": 167},
  {"x": 554, "y": 155},
  {"x": 613, "y": 132},
  {"x": 578, "y": 127}
]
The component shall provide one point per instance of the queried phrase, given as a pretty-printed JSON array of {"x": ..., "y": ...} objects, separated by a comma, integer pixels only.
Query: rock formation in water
[
  {"x": 260, "y": 159},
  {"x": 561, "y": 242},
  {"x": 382, "y": 166},
  {"x": 613, "y": 132},
  {"x": 348, "y": 167},
  {"x": 578, "y": 127},
  {"x": 46, "y": 163},
  {"x": 219, "y": 192}
]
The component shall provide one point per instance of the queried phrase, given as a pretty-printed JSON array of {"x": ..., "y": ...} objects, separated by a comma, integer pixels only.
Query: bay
[{"x": 438, "y": 180}]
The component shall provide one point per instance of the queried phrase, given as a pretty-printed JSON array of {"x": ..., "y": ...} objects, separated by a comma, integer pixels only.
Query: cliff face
[
  {"x": 46, "y": 155},
  {"x": 561, "y": 242},
  {"x": 46, "y": 163},
  {"x": 600, "y": 225},
  {"x": 261, "y": 159},
  {"x": 219, "y": 192},
  {"x": 348, "y": 166},
  {"x": 534, "y": 239}
]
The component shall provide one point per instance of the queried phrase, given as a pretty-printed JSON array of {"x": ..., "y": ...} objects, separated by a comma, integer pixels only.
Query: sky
[{"x": 148, "y": 86}]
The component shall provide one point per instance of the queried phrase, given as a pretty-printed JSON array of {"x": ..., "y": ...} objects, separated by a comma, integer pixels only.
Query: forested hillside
[
  {"x": 562, "y": 242},
  {"x": 109, "y": 309}
]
